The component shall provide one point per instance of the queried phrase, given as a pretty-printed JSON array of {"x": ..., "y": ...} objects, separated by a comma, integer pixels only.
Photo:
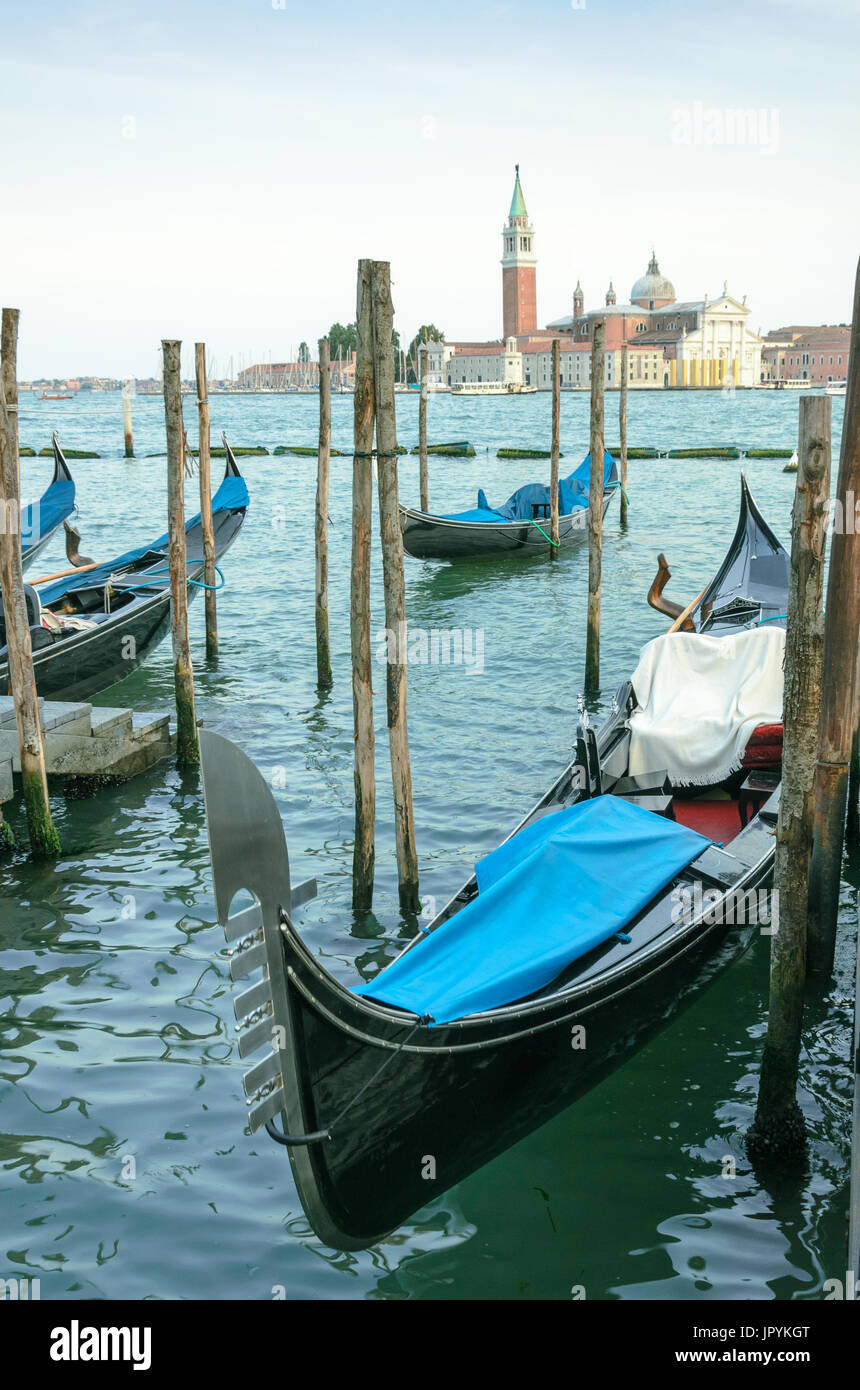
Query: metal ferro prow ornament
[{"x": 248, "y": 850}]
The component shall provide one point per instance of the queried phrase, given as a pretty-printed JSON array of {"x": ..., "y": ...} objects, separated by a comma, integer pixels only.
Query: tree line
[{"x": 342, "y": 338}]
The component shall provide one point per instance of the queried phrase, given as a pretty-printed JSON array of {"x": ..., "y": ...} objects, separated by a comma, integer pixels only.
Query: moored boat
[
  {"x": 491, "y": 388},
  {"x": 519, "y": 526},
  {"x": 613, "y": 901},
  {"x": 94, "y": 624}
]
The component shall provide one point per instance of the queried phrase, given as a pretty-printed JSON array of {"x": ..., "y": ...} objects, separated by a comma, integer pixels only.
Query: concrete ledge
[{"x": 101, "y": 745}]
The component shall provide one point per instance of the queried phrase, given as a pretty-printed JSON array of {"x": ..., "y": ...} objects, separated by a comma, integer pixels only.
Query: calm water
[{"x": 116, "y": 1040}]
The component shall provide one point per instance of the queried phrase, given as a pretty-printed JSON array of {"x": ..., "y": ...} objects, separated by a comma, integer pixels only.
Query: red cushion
[{"x": 764, "y": 747}]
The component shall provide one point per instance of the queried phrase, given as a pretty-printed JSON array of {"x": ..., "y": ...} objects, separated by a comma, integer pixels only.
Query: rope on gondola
[
  {"x": 198, "y": 583},
  {"x": 543, "y": 532},
  {"x": 281, "y": 1137}
]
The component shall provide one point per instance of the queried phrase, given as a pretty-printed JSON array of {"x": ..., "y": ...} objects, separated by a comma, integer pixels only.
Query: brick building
[{"x": 801, "y": 352}]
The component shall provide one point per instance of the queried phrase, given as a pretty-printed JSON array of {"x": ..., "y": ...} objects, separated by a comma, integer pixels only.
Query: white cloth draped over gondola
[{"x": 700, "y": 698}]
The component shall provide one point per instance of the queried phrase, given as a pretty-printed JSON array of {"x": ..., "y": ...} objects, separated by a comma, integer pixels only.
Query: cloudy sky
[{"x": 213, "y": 169}]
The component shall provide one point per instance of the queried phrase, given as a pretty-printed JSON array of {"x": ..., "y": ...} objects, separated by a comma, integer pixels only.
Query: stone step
[
  {"x": 73, "y": 717},
  {"x": 149, "y": 722},
  {"x": 106, "y": 721}
]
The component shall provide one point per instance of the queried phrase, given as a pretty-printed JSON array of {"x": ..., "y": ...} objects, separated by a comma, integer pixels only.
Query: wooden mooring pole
[
  {"x": 126, "y": 420},
  {"x": 321, "y": 525},
  {"x": 394, "y": 585},
  {"x": 595, "y": 511},
  {"x": 852, "y": 820},
  {"x": 187, "y": 752},
  {"x": 622, "y": 425},
  {"x": 838, "y": 702},
  {"x": 44, "y": 841},
  {"x": 423, "y": 479},
  {"x": 359, "y": 601},
  {"x": 779, "y": 1130},
  {"x": 554, "y": 447},
  {"x": 203, "y": 463}
]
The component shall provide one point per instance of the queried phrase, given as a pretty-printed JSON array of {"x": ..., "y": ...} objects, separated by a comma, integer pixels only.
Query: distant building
[
  {"x": 699, "y": 342},
  {"x": 519, "y": 269},
  {"x": 670, "y": 344},
  {"x": 297, "y": 376},
  {"x": 804, "y": 353}
]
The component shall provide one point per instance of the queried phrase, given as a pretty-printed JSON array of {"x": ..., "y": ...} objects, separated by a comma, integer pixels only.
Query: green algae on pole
[
  {"x": 779, "y": 1129},
  {"x": 321, "y": 522},
  {"x": 187, "y": 752},
  {"x": 44, "y": 841}
]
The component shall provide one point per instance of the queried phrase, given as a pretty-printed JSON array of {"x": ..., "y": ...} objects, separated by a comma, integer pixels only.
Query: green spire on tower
[{"x": 518, "y": 202}]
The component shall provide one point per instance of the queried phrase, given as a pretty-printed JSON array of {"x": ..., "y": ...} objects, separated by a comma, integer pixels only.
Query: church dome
[{"x": 652, "y": 289}]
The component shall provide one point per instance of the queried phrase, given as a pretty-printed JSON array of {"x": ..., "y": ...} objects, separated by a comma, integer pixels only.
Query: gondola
[
  {"x": 95, "y": 625},
  {"x": 519, "y": 527},
  {"x": 612, "y": 902},
  {"x": 39, "y": 520}
]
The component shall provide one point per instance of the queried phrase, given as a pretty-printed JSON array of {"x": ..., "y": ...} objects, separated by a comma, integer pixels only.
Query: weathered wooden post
[
  {"x": 852, "y": 820},
  {"x": 126, "y": 420},
  {"x": 595, "y": 511},
  {"x": 394, "y": 586},
  {"x": 203, "y": 461},
  {"x": 187, "y": 752},
  {"x": 321, "y": 530},
  {"x": 554, "y": 448},
  {"x": 838, "y": 702},
  {"x": 622, "y": 425},
  {"x": 359, "y": 601},
  {"x": 44, "y": 841},
  {"x": 779, "y": 1128},
  {"x": 423, "y": 479}
]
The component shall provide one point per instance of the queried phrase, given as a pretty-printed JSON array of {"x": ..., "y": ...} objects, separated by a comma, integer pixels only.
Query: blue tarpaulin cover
[
  {"x": 556, "y": 890},
  {"x": 232, "y": 495},
  {"x": 39, "y": 519},
  {"x": 572, "y": 494}
]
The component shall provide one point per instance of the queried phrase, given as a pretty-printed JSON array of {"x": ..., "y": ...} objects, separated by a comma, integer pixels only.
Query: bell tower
[{"x": 519, "y": 276}]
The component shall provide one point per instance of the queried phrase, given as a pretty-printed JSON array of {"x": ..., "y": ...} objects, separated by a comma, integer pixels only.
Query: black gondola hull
[
  {"x": 437, "y": 1114},
  {"x": 75, "y": 665},
  {"x": 436, "y": 538}
]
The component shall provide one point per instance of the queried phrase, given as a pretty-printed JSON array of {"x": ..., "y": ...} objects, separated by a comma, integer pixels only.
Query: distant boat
[
  {"x": 836, "y": 388},
  {"x": 491, "y": 388},
  {"x": 69, "y": 397}
]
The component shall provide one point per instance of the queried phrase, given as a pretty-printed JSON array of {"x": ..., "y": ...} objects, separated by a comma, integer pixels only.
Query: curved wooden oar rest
[
  {"x": 73, "y": 554},
  {"x": 666, "y": 605}
]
